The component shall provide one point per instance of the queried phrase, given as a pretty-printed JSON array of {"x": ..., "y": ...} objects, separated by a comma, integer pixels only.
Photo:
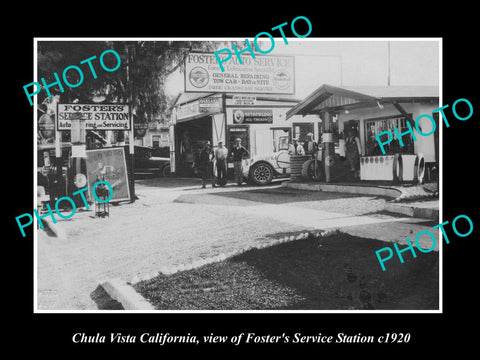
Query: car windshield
[{"x": 283, "y": 143}]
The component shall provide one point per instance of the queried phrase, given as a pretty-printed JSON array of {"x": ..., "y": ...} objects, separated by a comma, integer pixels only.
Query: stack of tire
[
  {"x": 311, "y": 171},
  {"x": 296, "y": 165}
]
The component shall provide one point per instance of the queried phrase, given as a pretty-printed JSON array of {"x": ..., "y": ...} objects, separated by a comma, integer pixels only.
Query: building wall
[
  {"x": 261, "y": 135},
  {"x": 162, "y": 133},
  {"x": 423, "y": 144}
]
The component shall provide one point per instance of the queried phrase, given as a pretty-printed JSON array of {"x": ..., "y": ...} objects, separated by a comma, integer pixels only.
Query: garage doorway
[
  {"x": 190, "y": 138},
  {"x": 238, "y": 131}
]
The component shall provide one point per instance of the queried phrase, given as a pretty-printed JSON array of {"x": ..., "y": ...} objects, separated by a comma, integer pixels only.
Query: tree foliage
[{"x": 146, "y": 65}]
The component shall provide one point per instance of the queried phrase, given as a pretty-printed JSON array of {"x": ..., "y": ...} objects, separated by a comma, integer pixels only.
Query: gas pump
[{"x": 77, "y": 166}]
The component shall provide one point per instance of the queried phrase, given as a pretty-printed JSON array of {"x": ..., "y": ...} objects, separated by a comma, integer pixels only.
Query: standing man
[
  {"x": 205, "y": 164},
  {"x": 295, "y": 148},
  {"x": 238, "y": 154},
  {"x": 221, "y": 154},
  {"x": 353, "y": 151},
  {"x": 310, "y": 146}
]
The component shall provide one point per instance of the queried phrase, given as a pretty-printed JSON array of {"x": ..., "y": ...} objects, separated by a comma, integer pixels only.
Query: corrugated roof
[
  {"x": 328, "y": 96},
  {"x": 385, "y": 92}
]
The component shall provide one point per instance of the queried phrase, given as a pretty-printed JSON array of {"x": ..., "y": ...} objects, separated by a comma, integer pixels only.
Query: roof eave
[{"x": 315, "y": 98}]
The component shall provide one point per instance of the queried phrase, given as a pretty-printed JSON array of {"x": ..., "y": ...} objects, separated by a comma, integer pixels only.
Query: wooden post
[{"x": 58, "y": 145}]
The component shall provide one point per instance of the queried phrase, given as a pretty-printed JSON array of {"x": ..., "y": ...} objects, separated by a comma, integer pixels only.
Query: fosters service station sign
[
  {"x": 264, "y": 74},
  {"x": 96, "y": 116}
]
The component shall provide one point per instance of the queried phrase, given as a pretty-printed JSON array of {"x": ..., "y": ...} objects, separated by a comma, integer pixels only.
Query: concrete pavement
[{"x": 402, "y": 196}]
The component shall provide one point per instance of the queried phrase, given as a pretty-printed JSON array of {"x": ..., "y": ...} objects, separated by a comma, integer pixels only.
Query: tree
[{"x": 149, "y": 64}]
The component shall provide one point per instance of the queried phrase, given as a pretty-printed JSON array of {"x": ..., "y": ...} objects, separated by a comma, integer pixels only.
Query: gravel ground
[
  {"x": 411, "y": 193},
  {"x": 348, "y": 204},
  {"x": 138, "y": 238},
  {"x": 334, "y": 272}
]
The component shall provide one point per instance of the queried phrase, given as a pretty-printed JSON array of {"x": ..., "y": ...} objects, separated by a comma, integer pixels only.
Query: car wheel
[
  {"x": 166, "y": 172},
  {"x": 261, "y": 174}
]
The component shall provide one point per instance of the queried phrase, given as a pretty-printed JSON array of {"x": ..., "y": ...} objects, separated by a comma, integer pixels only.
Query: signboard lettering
[
  {"x": 264, "y": 74},
  {"x": 244, "y": 100},
  {"x": 260, "y": 116},
  {"x": 210, "y": 104},
  {"x": 204, "y": 105},
  {"x": 96, "y": 116}
]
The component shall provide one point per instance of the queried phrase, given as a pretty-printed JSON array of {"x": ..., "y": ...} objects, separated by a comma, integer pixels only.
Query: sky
[{"x": 352, "y": 63}]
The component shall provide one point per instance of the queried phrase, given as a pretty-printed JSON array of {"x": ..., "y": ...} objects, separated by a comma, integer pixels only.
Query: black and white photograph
[
  {"x": 209, "y": 178},
  {"x": 286, "y": 175}
]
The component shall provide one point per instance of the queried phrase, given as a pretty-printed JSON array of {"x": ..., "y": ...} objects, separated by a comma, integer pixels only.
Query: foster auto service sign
[{"x": 264, "y": 74}]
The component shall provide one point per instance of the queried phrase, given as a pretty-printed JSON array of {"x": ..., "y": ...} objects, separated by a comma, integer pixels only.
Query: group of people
[
  {"x": 221, "y": 155},
  {"x": 310, "y": 147},
  {"x": 352, "y": 150}
]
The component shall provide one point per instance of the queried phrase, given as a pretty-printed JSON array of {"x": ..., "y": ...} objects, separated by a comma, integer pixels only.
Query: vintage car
[
  {"x": 147, "y": 163},
  {"x": 261, "y": 169}
]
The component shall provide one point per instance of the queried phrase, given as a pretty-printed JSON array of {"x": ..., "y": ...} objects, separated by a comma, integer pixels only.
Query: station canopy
[
  {"x": 189, "y": 108},
  {"x": 333, "y": 98}
]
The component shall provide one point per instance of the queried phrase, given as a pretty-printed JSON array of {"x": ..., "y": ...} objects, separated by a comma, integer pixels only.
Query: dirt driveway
[{"x": 175, "y": 222}]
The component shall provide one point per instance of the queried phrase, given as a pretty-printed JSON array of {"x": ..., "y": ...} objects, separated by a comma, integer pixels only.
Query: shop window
[
  {"x": 238, "y": 132},
  {"x": 156, "y": 139},
  {"x": 378, "y": 125},
  {"x": 301, "y": 130},
  {"x": 164, "y": 139},
  {"x": 160, "y": 140}
]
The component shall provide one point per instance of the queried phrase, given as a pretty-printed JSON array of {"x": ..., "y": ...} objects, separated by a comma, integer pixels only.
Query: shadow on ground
[
  {"x": 167, "y": 182},
  {"x": 337, "y": 272},
  {"x": 104, "y": 301},
  {"x": 195, "y": 182},
  {"x": 263, "y": 195},
  {"x": 285, "y": 195},
  {"x": 342, "y": 272}
]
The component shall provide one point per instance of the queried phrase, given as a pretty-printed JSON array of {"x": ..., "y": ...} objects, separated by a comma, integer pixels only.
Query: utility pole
[
  {"x": 388, "y": 71},
  {"x": 131, "y": 141}
]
